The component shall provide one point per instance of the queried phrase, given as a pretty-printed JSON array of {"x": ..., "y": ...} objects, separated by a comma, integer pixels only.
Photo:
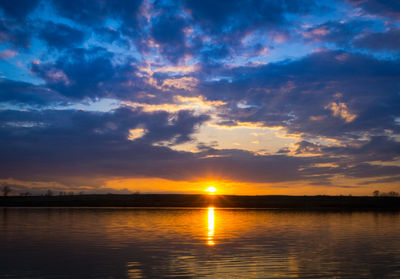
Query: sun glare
[{"x": 211, "y": 190}]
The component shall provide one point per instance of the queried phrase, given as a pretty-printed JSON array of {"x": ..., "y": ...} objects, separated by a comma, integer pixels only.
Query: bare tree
[
  {"x": 6, "y": 190},
  {"x": 376, "y": 193},
  {"x": 392, "y": 194}
]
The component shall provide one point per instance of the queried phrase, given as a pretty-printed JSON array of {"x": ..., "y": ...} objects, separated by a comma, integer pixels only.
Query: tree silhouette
[
  {"x": 6, "y": 190},
  {"x": 384, "y": 194},
  {"x": 392, "y": 194}
]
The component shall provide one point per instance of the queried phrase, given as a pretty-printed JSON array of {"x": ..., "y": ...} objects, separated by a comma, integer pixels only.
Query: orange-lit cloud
[
  {"x": 341, "y": 110},
  {"x": 186, "y": 83},
  {"x": 197, "y": 103},
  {"x": 136, "y": 133}
]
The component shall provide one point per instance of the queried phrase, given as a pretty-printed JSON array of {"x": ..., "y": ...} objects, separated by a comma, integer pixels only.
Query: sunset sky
[{"x": 250, "y": 97}]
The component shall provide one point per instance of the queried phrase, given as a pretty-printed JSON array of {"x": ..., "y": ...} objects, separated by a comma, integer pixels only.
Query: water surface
[{"x": 201, "y": 243}]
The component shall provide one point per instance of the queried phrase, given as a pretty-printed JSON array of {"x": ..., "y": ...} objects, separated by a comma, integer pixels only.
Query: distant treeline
[
  {"x": 6, "y": 190},
  {"x": 376, "y": 193}
]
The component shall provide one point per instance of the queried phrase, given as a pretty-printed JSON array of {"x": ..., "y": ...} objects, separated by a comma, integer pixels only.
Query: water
[{"x": 200, "y": 243}]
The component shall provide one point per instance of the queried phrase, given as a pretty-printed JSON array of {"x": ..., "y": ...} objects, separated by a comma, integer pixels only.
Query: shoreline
[{"x": 319, "y": 203}]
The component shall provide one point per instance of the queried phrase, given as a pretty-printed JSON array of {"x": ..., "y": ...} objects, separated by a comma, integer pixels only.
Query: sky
[{"x": 250, "y": 97}]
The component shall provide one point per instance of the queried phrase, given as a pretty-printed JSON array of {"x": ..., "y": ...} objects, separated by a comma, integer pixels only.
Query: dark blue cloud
[
  {"x": 61, "y": 36},
  {"x": 390, "y": 8},
  {"x": 167, "y": 31},
  {"x": 95, "y": 13},
  {"x": 340, "y": 33},
  {"x": 110, "y": 35},
  {"x": 233, "y": 16},
  {"x": 376, "y": 148},
  {"x": 103, "y": 127},
  {"x": 15, "y": 29},
  {"x": 384, "y": 41},
  {"x": 226, "y": 23},
  {"x": 20, "y": 10},
  {"x": 213, "y": 54},
  {"x": 27, "y": 94},
  {"x": 61, "y": 137},
  {"x": 81, "y": 73},
  {"x": 14, "y": 33},
  {"x": 379, "y": 148},
  {"x": 95, "y": 73}
]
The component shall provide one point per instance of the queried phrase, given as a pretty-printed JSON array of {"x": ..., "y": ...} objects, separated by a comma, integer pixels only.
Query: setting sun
[{"x": 211, "y": 190}]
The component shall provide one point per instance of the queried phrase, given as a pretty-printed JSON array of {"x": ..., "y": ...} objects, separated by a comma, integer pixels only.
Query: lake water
[{"x": 197, "y": 243}]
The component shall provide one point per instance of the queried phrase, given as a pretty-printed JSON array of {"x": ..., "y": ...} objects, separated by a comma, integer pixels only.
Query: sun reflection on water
[{"x": 211, "y": 222}]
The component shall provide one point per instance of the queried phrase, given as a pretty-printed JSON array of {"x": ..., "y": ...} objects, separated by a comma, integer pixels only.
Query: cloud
[
  {"x": 7, "y": 54},
  {"x": 384, "y": 8},
  {"x": 337, "y": 32},
  {"x": 78, "y": 143},
  {"x": 222, "y": 26},
  {"x": 19, "y": 11},
  {"x": 95, "y": 13},
  {"x": 314, "y": 94},
  {"x": 341, "y": 110},
  {"x": 238, "y": 16},
  {"x": 14, "y": 33},
  {"x": 15, "y": 27},
  {"x": 61, "y": 36},
  {"x": 377, "y": 148},
  {"x": 167, "y": 31},
  {"x": 381, "y": 41},
  {"x": 27, "y": 94},
  {"x": 81, "y": 73}
]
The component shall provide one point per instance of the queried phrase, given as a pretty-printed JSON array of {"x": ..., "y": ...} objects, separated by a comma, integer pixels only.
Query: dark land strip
[{"x": 220, "y": 201}]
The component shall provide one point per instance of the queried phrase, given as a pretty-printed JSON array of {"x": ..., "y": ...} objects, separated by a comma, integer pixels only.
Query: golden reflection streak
[{"x": 211, "y": 222}]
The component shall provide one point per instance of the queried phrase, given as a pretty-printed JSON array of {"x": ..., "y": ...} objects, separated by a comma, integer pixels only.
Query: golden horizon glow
[{"x": 224, "y": 186}]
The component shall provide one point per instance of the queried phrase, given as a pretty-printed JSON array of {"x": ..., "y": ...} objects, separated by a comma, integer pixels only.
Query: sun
[{"x": 211, "y": 190}]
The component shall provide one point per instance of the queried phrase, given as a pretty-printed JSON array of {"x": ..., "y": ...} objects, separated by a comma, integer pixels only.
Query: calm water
[{"x": 201, "y": 243}]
